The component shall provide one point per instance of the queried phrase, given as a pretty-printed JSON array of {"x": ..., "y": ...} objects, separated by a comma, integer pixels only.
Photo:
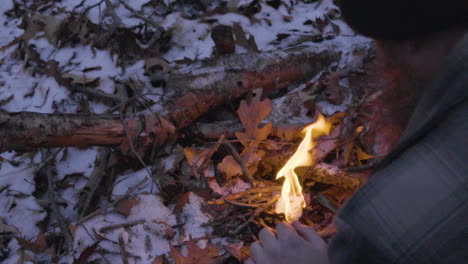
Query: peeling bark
[
  {"x": 197, "y": 88},
  {"x": 191, "y": 92},
  {"x": 27, "y": 130}
]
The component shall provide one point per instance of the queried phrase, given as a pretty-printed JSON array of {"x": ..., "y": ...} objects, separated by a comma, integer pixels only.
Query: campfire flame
[{"x": 291, "y": 200}]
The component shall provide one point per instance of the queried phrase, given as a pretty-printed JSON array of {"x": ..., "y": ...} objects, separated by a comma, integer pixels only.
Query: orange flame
[{"x": 291, "y": 200}]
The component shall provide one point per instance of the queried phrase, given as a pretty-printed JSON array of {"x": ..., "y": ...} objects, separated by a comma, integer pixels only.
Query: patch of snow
[
  {"x": 127, "y": 181},
  {"x": 194, "y": 218},
  {"x": 69, "y": 165}
]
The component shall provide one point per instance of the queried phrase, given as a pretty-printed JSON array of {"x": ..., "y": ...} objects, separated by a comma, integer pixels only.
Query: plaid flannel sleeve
[{"x": 415, "y": 210}]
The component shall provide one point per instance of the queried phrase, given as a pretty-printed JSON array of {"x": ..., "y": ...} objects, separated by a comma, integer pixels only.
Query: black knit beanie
[{"x": 399, "y": 20}]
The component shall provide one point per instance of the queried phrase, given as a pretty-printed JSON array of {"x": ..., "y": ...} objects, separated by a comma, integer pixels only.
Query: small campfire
[{"x": 292, "y": 200}]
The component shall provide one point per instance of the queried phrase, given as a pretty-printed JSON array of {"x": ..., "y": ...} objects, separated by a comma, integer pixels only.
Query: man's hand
[{"x": 292, "y": 244}]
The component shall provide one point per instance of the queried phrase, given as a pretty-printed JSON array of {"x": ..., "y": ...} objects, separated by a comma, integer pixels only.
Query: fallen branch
[
  {"x": 191, "y": 92},
  {"x": 330, "y": 174}
]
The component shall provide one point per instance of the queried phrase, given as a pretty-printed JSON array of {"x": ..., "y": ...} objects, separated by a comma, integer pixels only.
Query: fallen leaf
[
  {"x": 196, "y": 255},
  {"x": 196, "y": 158},
  {"x": 81, "y": 80},
  {"x": 251, "y": 114},
  {"x": 184, "y": 199},
  {"x": 239, "y": 251},
  {"x": 252, "y": 156},
  {"x": 38, "y": 246},
  {"x": 125, "y": 206},
  {"x": 229, "y": 167},
  {"x": 72, "y": 229},
  {"x": 363, "y": 155},
  {"x": 160, "y": 260},
  {"x": 84, "y": 256},
  {"x": 241, "y": 40}
]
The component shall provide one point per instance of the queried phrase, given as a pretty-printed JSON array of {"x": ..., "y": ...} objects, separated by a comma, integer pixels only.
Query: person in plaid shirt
[{"x": 414, "y": 209}]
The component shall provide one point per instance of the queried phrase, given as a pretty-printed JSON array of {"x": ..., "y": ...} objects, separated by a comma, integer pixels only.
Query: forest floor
[{"x": 203, "y": 195}]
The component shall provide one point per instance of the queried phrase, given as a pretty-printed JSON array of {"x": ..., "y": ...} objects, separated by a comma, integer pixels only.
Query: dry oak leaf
[
  {"x": 250, "y": 115},
  {"x": 239, "y": 251},
  {"x": 196, "y": 158},
  {"x": 38, "y": 246},
  {"x": 196, "y": 255},
  {"x": 363, "y": 155},
  {"x": 125, "y": 206},
  {"x": 230, "y": 167}
]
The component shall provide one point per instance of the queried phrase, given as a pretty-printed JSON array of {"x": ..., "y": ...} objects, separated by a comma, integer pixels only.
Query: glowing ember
[{"x": 291, "y": 200}]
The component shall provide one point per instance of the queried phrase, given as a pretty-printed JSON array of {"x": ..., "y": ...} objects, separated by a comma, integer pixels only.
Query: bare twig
[
  {"x": 89, "y": 190},
  {"x": 123, "y": 251},
  {"x": 130, "y": 142},
  {"x": 241, "y": 162},
  {"x": 212, "y": 151},
  {"x": 115, "y": 17},
  {"x": 126, "y": 224},
  {"x": 243, "y": 204},
  {"x": 257, "y": 212},
  {"x": 116, "y": 201},
  {"x": 139, "y": 15},
  {"x": 52, "y": 197}
]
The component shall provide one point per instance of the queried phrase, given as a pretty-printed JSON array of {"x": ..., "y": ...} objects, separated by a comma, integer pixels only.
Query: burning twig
[{"x": 292, "y": 200}]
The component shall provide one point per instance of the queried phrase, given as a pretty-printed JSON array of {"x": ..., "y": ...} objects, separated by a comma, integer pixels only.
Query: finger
[
  {"x": 249, "y": 261},
  {"x": 257, "y": 253},
  {"x": 309, "y": 234},
  {"x": 268, "y": 239},
  {"x": 285, "y": 230}
]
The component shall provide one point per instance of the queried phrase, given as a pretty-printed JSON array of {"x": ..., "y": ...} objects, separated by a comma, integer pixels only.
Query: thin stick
[
  {"x": 52, "y": 196},
  {"x": 257, "y": 211},
  {"x": 138, "y": 14},
  {"x": 126, "y": 224},
  {"x": 241, "y": 162},
  {"x": 91, "y": 215},
  {"x": 123, "y": 251},
  {"x": 249, "y": 191},
  {"x": 243, "y": 204}
]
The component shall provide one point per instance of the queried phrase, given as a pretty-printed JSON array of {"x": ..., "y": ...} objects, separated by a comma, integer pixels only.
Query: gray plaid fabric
[{"x": 415, "y": 207}]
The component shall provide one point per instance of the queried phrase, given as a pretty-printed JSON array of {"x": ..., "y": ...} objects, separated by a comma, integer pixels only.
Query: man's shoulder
[{"x": 419, "y": 198}]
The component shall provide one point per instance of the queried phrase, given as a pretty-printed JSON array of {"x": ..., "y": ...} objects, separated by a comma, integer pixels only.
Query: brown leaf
[
  {"x": 251, "y": 114},
  {"x": 160, "y": 260},
  {"x": 72, "y": 229},
  {"x": 363, "y": 155},
  {"x": 84, "y": 256},
  {"x": 38, "y": 246},
  {"x": 230, "y": 167},
  {"x": 196, "y": 158},
  {"x": 184, "y": 199},
  {"x": 239, "y": 251},
  {"x": 252, "y": 156},
  {"x": 241, "y": 40},
  {"x": 81, "y": 80},
  {"x": 196, "y": 255},
  {"x": 125, "y": 206}
]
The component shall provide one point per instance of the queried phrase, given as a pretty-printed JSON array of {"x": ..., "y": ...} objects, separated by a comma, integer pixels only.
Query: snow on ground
[{"x": 23, "y": 90}]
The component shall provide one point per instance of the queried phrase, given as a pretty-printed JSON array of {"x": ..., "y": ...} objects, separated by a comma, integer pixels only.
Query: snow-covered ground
[{"x": 22, "y": 88}]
